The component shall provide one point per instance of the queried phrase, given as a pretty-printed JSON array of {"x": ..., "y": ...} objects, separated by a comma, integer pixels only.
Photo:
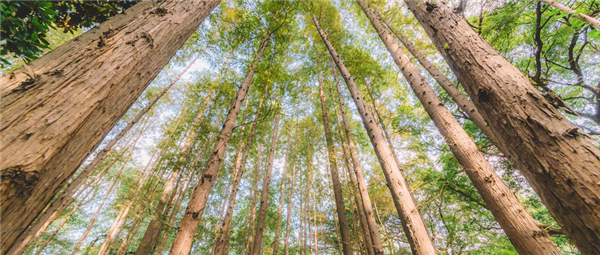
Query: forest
[{"x": 300, "y": 127}]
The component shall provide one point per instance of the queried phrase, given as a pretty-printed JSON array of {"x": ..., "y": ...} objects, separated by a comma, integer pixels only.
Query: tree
[
  {"x": 76, "y": 122},
  {"x": 533, "y": 133}
]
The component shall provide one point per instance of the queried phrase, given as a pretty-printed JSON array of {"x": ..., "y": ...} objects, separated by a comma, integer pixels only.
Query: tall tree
[
  {"x": 183, "y": 240},
  {"x": 281, "y": 193},
  {"x": 54, "y": 125},
  {"x": 252, "y": 218},
  {"x": 412, "y": 221},
  {"x": 335, "y": 176},
  {"x": 561, "y": 163},
  {"x": 264, "y": 197}
]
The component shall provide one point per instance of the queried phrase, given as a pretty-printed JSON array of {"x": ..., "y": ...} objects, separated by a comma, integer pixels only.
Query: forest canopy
[{"x": 300, "y": 127}]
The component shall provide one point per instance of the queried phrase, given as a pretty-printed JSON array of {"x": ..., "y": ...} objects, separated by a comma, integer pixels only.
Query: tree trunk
[
  {"x": 189, "y": 224},
  {"x": 60, "y": 106},
  {"x": 264, "y": 199},
  {"x": 254, "y": 200},
  {"x": 154, "y": 227},
  {"x": 286, "y": 250},
  {"x": 519, "y": 226},
  {"x": 357, "y": 198},
  {"x": 335, "y": 176},
  {"x": 412, "y": 221},
  {"x": 360, "y": 179},
  {"x": 281, "y": 195},
  {"x": 222, "y": 244},
  {"x": 560, "y": 162},
  {"x": 461, "y": 100},
  {"x": 387, "y": 236}
]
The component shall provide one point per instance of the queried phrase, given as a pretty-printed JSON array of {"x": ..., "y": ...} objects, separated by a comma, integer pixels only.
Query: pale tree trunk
[
  {"x": 135, "y": 226},
  {"x": 337, "y": 236},
  {"x": 335, "y": 176},
  {"x": 264, "y": 198},
  {"x": 360, "y": 179},
  {"x": 357, "y": 198},
  {"x": 286, "y": 250},
  {"x": 461, "y": 100},
  {"x": 316, "y": 230},
  {"x": 387, "y": 236},
  {"x": 222, "y": 242},
  {"x": 189, "y": 224},
  {"x": 412, "y": 221},
  {"x": 60, "y": 106},
  {"x": 521, "y": 229},
  {"x": 301, "y": 233},
  {"x": 153, "y": 231},
  {"x": 585, "y": 18},
  {"x": 561, "y": 163},
  {"x": 252, "y": 221},
  {"x": 281, "y": 195}
]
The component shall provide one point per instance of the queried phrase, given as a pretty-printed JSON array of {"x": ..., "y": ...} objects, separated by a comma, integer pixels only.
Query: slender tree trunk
[
  {"x": 335, "y": 176},
  {"x": 148, "y": 35},
  {"x": 360, "y": 179},
  {"x": 585, "y": 18},
  {"x": 412, "y": 221},
  {"x": 519, "y": 226},
  {"x": 254, "y": 200},
  {"x": 560, "y": 162},
  {"x": 337, "y": 236},
  {"x": 264, "y": 199},
  {"x": 387, "y": 236},
  {"x": 461, "y": 100},
  {"x": 222, "y": 243},
  {"x": 188, "y": 226},
  {"x": 357, "y": 198},
  {"x": 316, "y": 231},
  {"x": 300, "y": 246},
  {"x": 135, "y": 226},
  {"x": 154, "y": 227},
  {"x": 281, "y": 195},
  {"x": 289, "y": 205}
]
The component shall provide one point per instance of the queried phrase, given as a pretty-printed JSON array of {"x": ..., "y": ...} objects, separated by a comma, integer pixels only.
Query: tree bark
[
  {"x": 254, "y": 200},
  {"x": 335, "y": 176},
  {"x": 281, "y": 195},
  {"x": 461, "y": 100},
  {"x": 222, "y": 245},
  {"x": 189, "y": 224},
  {"x": 412, "y": 221},
  {"x": 585, "y": 18},
  {"x": 57, "y": 109},
  {"x": 560, "y": 162},
  {"x": 364, "y": 200},
  {"x": 521, "y": 229},
  {"x": 264, "y": 199}
]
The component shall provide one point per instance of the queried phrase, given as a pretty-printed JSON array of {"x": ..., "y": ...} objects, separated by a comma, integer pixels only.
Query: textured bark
[
  {"x": 526, "y": 236},
  {"x": 286, "y": 250},
  {"x": 281, "y": 195},
  {"x": 335, "y": 176},
  {"x": 357, "y": 198},
  {"x": 254, "y": 200},
  {"x": 412, "y": 221},
  {"x": 585, "y": 18},
  {"x": 360, "y": 179},
  {"x": 560, "y": 162},
  {"x": 222, "y": 243},
  {"x": 461, "y": 100},
  {"x": 76, "y": 94},
  {"x": 189, "y": 224},
  {"x": 264, "y": 198},
  {"x": 154, "y": 227}
]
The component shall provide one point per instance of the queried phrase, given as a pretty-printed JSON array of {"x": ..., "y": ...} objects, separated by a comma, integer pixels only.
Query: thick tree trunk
[
  {"x": 519, "y": 226},
  {"x": 412, "y": 221},
  {"x": 154, "y": 227},
  {"x": 254, "y": 200},
  {"x": 335, "y": 176},
  {"x": 286, "y": 250},
  {"x": 360, "y": 179},
  {"x": 189, "y": 224},
  {"x": 222, "y": 243},
  {"x": 560, "y": 162},
  {"x": 281, "y": 195},
  {"x": 264, "y": 198},
  {"x": 357, "y": 198},
  {"x": 461, "y": 100},
  {"x": 56, "y": 113}
]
